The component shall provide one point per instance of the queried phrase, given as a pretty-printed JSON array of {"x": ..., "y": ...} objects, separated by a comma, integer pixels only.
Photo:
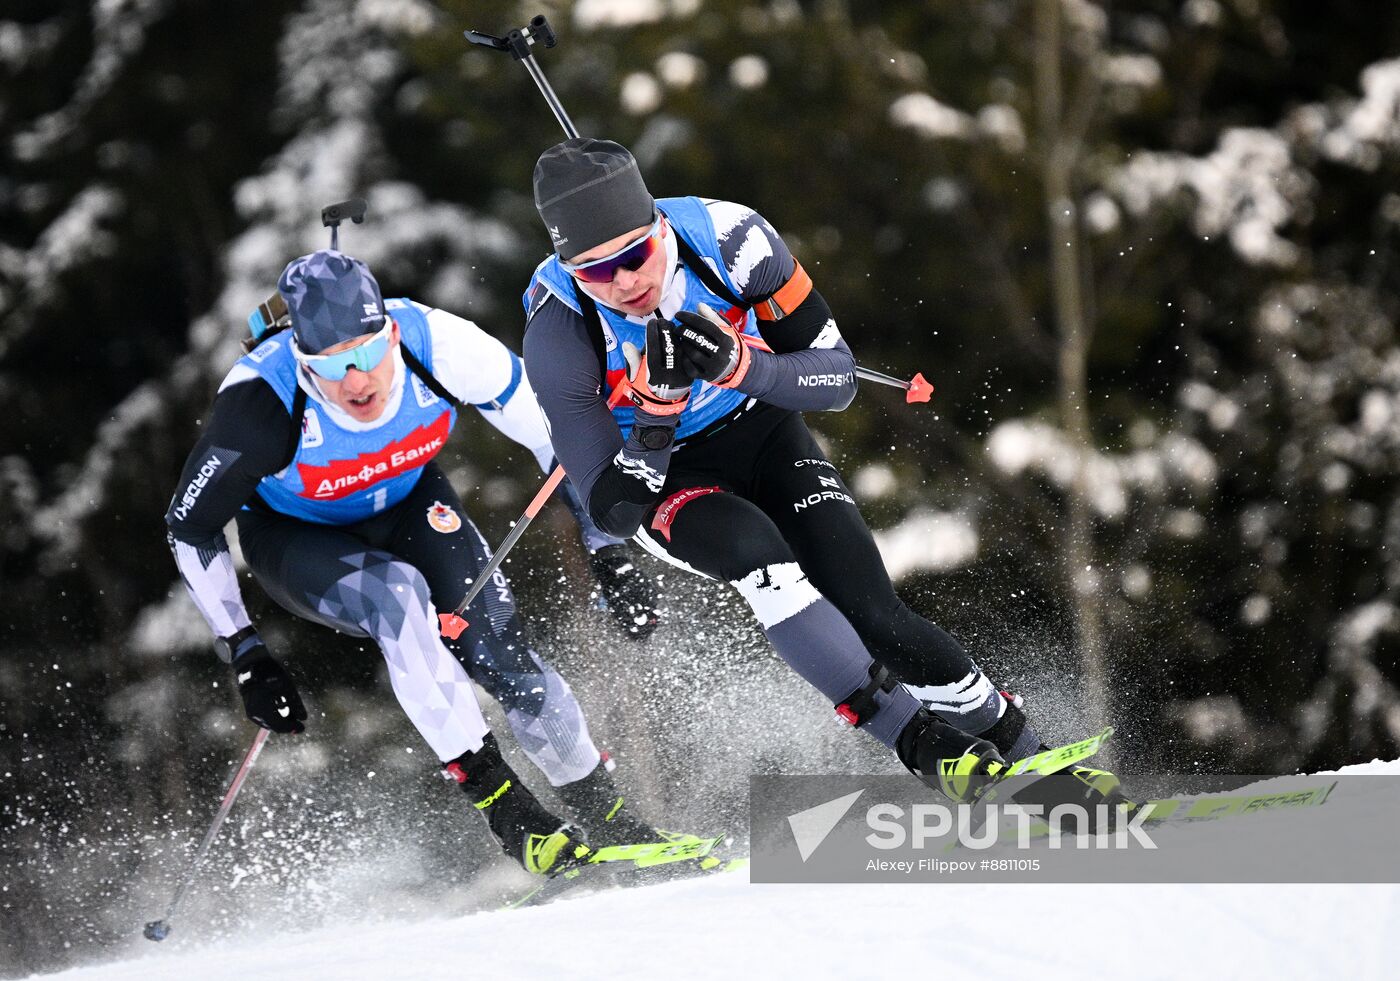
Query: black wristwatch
[
  {"x": 229, "y": 647},
  {"x": 655, "y": 437}
]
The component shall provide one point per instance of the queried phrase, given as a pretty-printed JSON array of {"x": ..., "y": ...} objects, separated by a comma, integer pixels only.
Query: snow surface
[{"x": 725, "y": 926}]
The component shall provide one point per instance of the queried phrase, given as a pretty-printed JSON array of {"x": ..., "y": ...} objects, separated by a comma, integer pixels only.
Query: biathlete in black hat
[
  {"x": 320, "y": 444},
  {"x": 709, "y": 463}
]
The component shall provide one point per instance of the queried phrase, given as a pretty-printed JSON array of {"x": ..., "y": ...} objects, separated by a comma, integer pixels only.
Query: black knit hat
[{"x": 590, "y": 191}]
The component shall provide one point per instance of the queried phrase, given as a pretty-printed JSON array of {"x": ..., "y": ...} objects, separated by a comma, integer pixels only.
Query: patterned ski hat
[{"x": 332, "y": 297}]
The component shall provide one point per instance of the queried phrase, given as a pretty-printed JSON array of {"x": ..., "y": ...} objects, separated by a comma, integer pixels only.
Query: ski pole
[
  {"x": 518, "y": 42},
  {"x": 160, "y": 929},
  {"x": 452, "y": 624},
  {"x": 916, "y": 389},
  {"x": 272, "y": 314}
]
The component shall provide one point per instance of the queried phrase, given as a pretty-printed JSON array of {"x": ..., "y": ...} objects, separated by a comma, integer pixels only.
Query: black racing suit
[{"x": 752, "y": 500}]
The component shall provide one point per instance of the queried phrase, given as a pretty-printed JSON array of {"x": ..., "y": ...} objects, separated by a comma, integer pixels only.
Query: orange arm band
[{"x": 788, "y": 298}]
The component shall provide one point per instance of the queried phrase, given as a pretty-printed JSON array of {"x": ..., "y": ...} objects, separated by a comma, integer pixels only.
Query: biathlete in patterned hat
[{"x": 321, "y": 445}]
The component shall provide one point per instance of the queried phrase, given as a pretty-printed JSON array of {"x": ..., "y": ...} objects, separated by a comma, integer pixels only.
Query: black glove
[
  {"x": 711, "y": 348},
  {"x": 269, "y": 695},
  {"x": 660, "y": 380},
  {"x": 631, "y": 595}
]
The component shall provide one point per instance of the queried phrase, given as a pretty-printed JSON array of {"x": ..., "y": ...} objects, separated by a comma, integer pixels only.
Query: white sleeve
[
  {"x": 213, "y": 584},
  {"x": 485, "y": 374}
]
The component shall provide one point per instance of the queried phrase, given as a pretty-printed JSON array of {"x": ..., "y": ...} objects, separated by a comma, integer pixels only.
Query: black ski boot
[
  {"x": 1087, "y": 789},
  {"x": 1012, "y": 734},
  {"x": 1081, "y": 785},
  {"x": 596, "y": 801},
  {"x": 946, "y": 758},
  {"x": 528, "y": 833}
]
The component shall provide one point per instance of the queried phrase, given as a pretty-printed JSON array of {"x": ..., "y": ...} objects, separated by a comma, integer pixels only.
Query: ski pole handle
[{"x": 518, "y": 42}]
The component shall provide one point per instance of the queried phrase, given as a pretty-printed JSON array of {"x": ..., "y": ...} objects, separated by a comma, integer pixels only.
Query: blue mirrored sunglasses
[
  {"x": 631, "y": 257},
  {"x": 365, "y": 356}
]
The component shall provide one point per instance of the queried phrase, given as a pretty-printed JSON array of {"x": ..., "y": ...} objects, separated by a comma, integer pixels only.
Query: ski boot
[
  {"x": 1100, "y": 786},
  {"x": 1012, "y": 734},
  {"x": 1087, "y": 789},
  {"x": 946, "y": 758},
  {"x": 596, "y": 801},
  {"x": 539, "y": 841},
  {"x": 1080, "y": 785}
]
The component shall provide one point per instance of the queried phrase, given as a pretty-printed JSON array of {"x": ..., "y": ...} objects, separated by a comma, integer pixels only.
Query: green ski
[
  {"x": 965, "y": 780},
  {"x": 643, "y": 855}
]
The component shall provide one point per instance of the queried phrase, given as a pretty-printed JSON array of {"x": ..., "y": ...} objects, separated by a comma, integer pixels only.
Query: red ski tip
[
  {"x": 451, "y": 625},
  {"x": 919, "y": 390}
]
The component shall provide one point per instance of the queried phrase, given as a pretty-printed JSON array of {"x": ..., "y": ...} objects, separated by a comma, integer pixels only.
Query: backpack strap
[
  {"x": 708, "y": 276},
  {"x": 774, "y": 307},
  {"x": 592, "y": 319},
  {"x": 294, "y": 440},
  {"x": 298, "y": 410},
  {"x": 428, "y": 378},
  {"x": 693, "y": 262},
  {"x": 588, "y": 310}
]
